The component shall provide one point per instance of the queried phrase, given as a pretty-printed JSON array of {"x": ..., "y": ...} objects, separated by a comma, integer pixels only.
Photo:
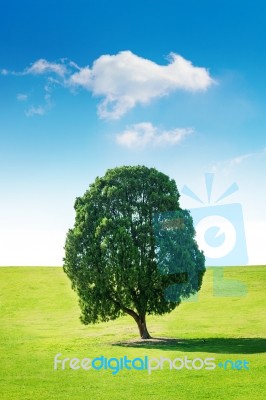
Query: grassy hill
[{"x": 39, "y": 318}]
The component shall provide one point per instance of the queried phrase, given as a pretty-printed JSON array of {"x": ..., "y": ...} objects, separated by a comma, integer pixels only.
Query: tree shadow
[{"x": 208, "y": 345}]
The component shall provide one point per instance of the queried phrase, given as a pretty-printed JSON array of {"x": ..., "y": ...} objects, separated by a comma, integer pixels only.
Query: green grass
[{"x": 39, "y": 317}]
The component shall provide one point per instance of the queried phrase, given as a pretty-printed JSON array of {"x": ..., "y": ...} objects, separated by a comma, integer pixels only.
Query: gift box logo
[{"x": 220, "y": 228}]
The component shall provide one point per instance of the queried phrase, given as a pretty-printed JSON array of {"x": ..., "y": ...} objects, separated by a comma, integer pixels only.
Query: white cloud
[
  {"x": 4, "y": 72},
  {"x": 22, "y": 97},
  {"x": 146, "y": 134},
  {"x": 125, "y": 79},
  {"x": 227, "y": 165},
  {"x": 238, "y": 160},
  {"x": 42, "y": 109},
  {"x": 42, "y": 66},
  {"x": 81, "y": 78},
  {"x": 35, "y": 111}
]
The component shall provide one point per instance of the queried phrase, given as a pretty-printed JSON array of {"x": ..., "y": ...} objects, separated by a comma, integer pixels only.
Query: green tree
[{"x": 132, "y": 249}]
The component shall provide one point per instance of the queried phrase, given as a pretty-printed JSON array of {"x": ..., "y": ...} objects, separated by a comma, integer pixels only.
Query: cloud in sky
[
  {"x": 227, "y": 165},
  {"x": 42, "y": 66},
  {"x": 22, "y": 97},
  {"x": 146, "y": 134},
  {"x": 123, "y": 80},
  {"x": 47, "y": 102},
  {"x": 4, "y": 72},
  {"x": 35, "y": 111}
]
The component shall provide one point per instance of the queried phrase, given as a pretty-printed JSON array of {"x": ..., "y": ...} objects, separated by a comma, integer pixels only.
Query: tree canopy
[{"x": 132, "y": 249}]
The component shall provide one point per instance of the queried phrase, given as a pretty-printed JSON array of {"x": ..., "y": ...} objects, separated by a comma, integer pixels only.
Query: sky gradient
[{"x": 86, "y": 86}]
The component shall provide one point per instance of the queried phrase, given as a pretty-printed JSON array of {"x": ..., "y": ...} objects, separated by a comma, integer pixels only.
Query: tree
[{"x": 132, "y": 249}]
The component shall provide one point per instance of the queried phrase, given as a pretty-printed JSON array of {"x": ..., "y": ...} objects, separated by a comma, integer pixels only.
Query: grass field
[{"x": 39, "y": 318}]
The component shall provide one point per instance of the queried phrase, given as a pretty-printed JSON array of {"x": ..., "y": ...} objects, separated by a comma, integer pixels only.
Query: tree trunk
[
  {"x": 143, "y": 331},
  {"x": 140, "y": 320}
]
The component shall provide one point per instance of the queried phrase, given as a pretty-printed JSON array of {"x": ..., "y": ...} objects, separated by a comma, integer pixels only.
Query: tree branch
[{"x": 127, "y": 310}]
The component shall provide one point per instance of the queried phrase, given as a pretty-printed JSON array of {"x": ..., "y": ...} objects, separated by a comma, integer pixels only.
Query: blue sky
[{"x": 86, "y": 86}]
